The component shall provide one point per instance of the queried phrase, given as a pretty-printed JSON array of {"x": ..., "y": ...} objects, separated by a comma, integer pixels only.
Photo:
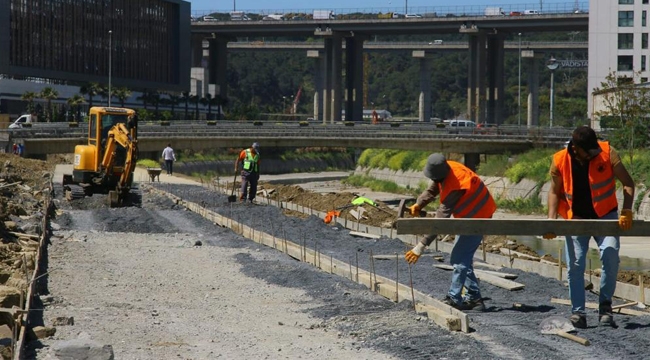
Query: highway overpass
[{"x": 200, "y": 136}]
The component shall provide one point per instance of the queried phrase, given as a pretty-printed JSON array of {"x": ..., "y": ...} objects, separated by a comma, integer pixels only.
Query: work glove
[
  {"x": 549, "y": 236},
  {"x": 625, "y": 220},
  {"x": 413, "y": 255},
  {"x": 415, "y": 210}
]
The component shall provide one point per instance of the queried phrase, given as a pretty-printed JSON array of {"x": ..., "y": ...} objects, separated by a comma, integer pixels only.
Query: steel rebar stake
[
  {"x": 396, "y": 278},
  {"x": 411, "y": 283}
]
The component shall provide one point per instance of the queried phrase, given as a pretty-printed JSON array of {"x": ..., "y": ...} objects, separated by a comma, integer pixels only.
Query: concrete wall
[{"x": 268, "y": 166}]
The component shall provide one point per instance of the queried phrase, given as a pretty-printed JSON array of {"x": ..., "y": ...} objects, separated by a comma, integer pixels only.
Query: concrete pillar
[
  {"x": 495, "y": 73},
  {"x": 354, "y": 78},
  {"x": 531, "y": 63},
  {"x": 424, "y": 101},
  {"x": 197, "y": 51},
  {"x": 481, "y": 93},
  {"x": 336, "y": 76},
  {"x": 327, "y": 86},
  {"x": 472, "y": 160},
  {"x": 472, "y": 77},
  {"x": 218, "y": 66},
  {"x": 318, "y": 82}
]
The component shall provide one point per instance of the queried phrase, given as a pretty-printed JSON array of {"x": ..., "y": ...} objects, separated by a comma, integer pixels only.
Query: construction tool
[
  {"x": 330, "y": 215},
  {"x": 557, "y": 325},
  {"x": 233, "y": 197},
  {"x": 401, "y": 209}
]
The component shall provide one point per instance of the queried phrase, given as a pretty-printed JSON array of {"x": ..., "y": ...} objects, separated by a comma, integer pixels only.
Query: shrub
[
  {"x": 211, "y": 123},
  {"x": 164, "y": 123}
]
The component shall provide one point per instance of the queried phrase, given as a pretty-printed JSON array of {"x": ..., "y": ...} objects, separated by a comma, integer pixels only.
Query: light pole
[
  {"x": 552, "y": 65},
  {"x": 519, "y": 87},
  {"x": 234, "y": 5},
  {"x": 284, "y": 104},
  {"x": 110, "y": 67},
  {"x": 406, "y": 7}
]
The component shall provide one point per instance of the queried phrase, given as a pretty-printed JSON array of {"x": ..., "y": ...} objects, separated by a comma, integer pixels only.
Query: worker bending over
[
  {"x": 250, "y": 173},
  {"x": 464, "y": 195}
]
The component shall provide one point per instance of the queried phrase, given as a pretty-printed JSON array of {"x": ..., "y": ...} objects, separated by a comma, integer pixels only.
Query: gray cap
[
  {"x": 256, "y": 146},
  {"x": 436, "y": 167}
]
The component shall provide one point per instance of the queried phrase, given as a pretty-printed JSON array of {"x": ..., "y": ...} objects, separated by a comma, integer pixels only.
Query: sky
[{"x": 415, "y": 6}]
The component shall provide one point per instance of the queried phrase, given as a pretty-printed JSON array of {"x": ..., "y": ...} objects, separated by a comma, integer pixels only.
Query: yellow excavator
[{"x": 106, "y": 164}]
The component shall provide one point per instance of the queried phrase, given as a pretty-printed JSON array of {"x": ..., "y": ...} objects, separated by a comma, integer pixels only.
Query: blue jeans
[
  {"x": 462, "y": 259},
  {"x": 576, "y": 255}
]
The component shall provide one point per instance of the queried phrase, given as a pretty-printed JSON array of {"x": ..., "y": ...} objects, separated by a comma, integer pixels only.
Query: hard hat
[
  {"x": 436, "y": 168},
  {"x": 256, "y": 146}
]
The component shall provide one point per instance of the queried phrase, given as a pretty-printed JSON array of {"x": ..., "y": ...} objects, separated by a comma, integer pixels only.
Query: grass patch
[
  {"x": 527, "y": 206},
  {"x": 496, "y": 165},
  {"x": 148, "y": 163},
  {"x": 378, "y": 185}
]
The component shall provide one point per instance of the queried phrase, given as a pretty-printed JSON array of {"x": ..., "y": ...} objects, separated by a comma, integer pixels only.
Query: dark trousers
[
  {"x": 169, "y": 164},
  {"x": 246, "y": 179}
]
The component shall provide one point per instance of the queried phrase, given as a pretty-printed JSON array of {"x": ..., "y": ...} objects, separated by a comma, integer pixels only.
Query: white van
[
  {"x": 460, "y": 123},
  {"x": 532, "y": 12},
  {"x": 238, "y": 16},
  {"x": 412, "y": 16},
  {"x": 209, "y": 18},
  {"x": 24, "y": 119}
]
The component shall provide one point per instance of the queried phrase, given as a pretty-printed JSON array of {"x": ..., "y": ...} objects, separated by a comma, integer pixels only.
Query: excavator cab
[{"x": 106, "y": 163}]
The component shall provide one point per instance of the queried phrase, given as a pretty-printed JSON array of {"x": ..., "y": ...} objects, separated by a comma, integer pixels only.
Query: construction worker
[
  {"x": 583, "y": 186},
  {"x": 250, "y": 173},
  {"x": 169, "y": 157},
  {"x": 462, "y": 194}
]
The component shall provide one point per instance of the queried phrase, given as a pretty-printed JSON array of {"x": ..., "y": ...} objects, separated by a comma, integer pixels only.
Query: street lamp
[
  {"x": 110, "y": 67},
  {"x": 519, "y": 87},
  {"x": 552, "y": 65},
  {"x": 406, "y": 7},
  {"x": 284, "y": 104}
]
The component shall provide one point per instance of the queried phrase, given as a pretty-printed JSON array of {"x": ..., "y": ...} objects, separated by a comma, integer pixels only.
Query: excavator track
[{"x": 74, "y": 192}]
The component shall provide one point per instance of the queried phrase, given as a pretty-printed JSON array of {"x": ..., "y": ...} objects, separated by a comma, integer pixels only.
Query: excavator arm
[{"x": 119, "y": 134}]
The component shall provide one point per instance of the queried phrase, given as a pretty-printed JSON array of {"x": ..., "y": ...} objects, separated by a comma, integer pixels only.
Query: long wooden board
[
  {"x": 489, "y": 278},
  {"x": 592, "y": 305},
  {"x": 558, "y": 227}
]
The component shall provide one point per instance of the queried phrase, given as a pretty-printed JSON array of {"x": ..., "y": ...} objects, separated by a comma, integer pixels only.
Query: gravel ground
[
  {"x": 134, "y": 278},
  {"x": 501, "y": 332}
]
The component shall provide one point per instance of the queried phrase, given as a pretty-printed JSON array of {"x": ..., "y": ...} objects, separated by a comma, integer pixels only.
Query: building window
[
  {"x": 644, "y": 41},
  {"x": 626, "y": 18},
  {"x": 625, "y": 62},
  {"x": 625, "y": 41},
  {"x": 643, "y": 62},
  {"x": 644, "y": 15},
  {"x": 645, "y": 1},
  {"x": 626, "y": 2},
  {"x": 644, "y": 80}
]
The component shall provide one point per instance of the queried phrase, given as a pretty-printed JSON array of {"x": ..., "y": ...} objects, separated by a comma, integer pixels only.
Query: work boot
[
  {"x": 476, "y": 305},
  {"x": 605, "y": 314},
  {"x": 579, "y": 321},
  {"x": 449, "y": 301}
]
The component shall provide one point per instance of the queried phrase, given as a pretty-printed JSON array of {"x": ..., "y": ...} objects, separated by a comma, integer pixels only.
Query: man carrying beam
[
  {"x": 464, "y": 195},
  {"x": 583, "y": 186}
]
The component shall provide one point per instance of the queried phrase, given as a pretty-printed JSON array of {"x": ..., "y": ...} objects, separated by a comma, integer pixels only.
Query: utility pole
[
  {"x": 406, "y": 7},
  {"x": 234, "y": 5},
  {"x": 519, "y": 87},
  {"x": 110, "y": 67}
]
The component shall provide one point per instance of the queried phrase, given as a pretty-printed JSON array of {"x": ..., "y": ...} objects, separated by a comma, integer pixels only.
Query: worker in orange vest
[
  {"x": 463, "y": 195},
  {"x": 583, "y": 186}
]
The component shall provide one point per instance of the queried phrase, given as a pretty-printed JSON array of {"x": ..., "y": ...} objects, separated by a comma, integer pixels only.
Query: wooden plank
[
  {"x": 489, "y": 266},
  {"x": 362, "y": 234},
  {"x": 500, "y": 282},
  {"x": 559, "y": 227},
  {"x": 508, "y": 252},
  {"x": 498, "y": 274},
  {"x": 488, "y": 278},
  {"x": 593, "y": 305},
  {"x": 452, "y": 322}
]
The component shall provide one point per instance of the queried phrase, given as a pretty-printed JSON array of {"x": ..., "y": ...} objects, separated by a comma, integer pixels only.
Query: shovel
[
  {"x": 233, "y": 197},
  {"x": 557, "y": 325}
]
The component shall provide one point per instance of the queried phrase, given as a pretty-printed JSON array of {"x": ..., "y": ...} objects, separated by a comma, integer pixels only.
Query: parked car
[{"x": 209, "y": 18}]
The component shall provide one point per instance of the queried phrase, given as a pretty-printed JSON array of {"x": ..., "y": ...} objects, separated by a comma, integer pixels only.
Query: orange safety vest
[
  {"x": 601, "y": 182},
  {"x": 476, "y": 202}
]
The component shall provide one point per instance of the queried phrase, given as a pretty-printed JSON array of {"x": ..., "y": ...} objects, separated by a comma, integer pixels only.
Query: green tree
[
  {"x": 122, "y": 93},
  {"x": 91, "y": 90},
  {"x": 75, "y": 103},
  {"x": 627, "y": 106},
  {"x": 29, "y": 96},
  {"x": 173, "y": 101},
  {"x": 49, "y": 94},
  {"x": 186, "y": 98}
]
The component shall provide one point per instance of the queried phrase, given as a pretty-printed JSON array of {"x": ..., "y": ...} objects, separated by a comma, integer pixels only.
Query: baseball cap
[
  {"x": 256, "y": 146},
  {"x": 585, "y": 138},
  {"x": 436, "y": 168}
]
